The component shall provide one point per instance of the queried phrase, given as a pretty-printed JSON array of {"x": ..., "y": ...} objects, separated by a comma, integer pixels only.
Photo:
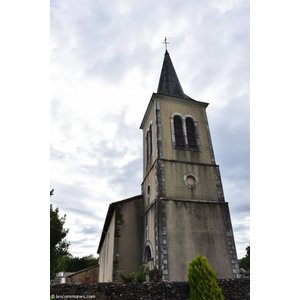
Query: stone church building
[{"x": 181, "y": 211}]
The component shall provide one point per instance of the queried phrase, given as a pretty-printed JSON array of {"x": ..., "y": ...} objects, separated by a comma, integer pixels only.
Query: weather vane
[{"x": 165, "y": 42}]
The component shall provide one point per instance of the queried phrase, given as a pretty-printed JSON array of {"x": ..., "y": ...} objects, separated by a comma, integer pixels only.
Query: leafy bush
[
  {"x": 141, "y": 275},
  {"x": 202, "y": 281},
  {"x": 127, "y": 277}
]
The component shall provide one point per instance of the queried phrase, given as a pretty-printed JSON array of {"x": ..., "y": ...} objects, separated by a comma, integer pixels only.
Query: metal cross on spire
[{"x": 165, "y": 42}]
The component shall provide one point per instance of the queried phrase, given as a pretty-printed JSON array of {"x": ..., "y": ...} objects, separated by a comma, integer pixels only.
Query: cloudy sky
[{"x": 106, "y": 58}]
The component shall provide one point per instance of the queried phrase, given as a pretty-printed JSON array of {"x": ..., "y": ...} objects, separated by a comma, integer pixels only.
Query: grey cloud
[
  {"x": 113, "y": 151},
  {"x": 71, "y": 200},
  {"x": 97, "y": 30},
  {"x": 91, "y": 246},
  {"x": 107, "y": 152},
  {"x": 128, "y": 178},
  {"x": 242, "y": 238},
  {"x": 241, "y": 209},
  {"x": 241, "y": 245},
  {"x": 100, "y": 43},
  {"x": 78, "y": 241},
  {"x": 58, "y": 117},
  {"x": 84, "y": 226},
  {"x": 91, "y": 233},
  {"x": 58, "y": 155},
  {"x": 115, "y": 66},
  {"x": 241, "y": 227},
  {"x": 105, "y": 156},
  {"x": 112, "y": 68},
  {"x": 91, "y": 230},
  {"x": 222, "y": 48},
  {"x": 128, "y": 132},
  {"x": 56, "y": 109},
  {"x": 72, "y": 191},
  {"x": 84, "y": 246},
  {"x": 237, "y": 195},
  {"x": 82, "y": 211},
  {"x": 230, "y": 130}
]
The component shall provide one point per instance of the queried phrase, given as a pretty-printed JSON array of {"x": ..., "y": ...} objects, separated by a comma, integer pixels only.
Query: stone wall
[{"x": 233, "y": 289}]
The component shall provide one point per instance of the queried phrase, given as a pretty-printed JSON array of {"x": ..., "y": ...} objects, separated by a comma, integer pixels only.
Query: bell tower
[{"x": 184, "y": 210}]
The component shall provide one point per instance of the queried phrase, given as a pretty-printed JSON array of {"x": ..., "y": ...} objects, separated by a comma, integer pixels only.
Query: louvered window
[
  {"x": 191, "y": 133},
  {"x": 179, "y": 137}
]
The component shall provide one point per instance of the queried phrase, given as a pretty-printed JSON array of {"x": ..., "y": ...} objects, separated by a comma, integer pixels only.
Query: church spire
[{"x": 168, "y": 82}]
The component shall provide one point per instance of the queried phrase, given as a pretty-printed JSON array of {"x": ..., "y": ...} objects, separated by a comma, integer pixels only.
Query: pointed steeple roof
[{"x": 168, "y": 82}]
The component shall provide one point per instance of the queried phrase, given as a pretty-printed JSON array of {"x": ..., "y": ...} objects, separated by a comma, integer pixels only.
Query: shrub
[
  {"x": 202, "y": 281},
  {"x": 141, "y": 275},
  {"x": 127, "y": 278}
]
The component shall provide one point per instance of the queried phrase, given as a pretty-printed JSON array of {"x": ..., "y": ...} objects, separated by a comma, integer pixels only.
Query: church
[{"x": 181, "y": 211}]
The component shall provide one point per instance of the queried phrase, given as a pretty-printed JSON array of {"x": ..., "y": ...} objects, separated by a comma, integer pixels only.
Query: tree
[
  {"x": 245, "y": 261},
  {"x": 202, "y": 281},
  {"x": 58, "y": 244},
  {"x": 74, "y": 264}
]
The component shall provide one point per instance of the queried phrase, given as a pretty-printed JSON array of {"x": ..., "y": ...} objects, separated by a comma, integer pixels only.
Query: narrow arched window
[
  {"x": 148, "y": 255},
  {"x": 191, "y": 132},
  {"x": 178, "y": 130},
  {"x": 149, "y": 143}
]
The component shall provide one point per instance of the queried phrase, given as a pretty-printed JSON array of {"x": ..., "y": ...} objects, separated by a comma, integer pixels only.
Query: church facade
[{"x": 181, "y": 211}]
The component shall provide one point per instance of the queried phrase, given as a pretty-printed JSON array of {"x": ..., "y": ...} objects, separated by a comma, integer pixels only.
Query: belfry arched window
[
  {"x": 185, "y": 133},
  {"x": 191, "y": 133},
  {"x": 178, "y": 131}
]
